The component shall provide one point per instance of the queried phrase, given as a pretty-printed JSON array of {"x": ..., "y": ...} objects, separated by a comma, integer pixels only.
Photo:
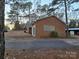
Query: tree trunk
[
  {"x": 67, "y": 27},
  {"x": 29, "y": 15},
  {"x": 2, "y": 41}
]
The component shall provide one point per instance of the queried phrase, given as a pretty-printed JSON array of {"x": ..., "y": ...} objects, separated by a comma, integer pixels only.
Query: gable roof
[{"x": 49, "y": 17}]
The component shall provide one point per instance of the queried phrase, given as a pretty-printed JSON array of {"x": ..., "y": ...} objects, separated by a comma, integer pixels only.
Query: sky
[
  {"x": 74, "y": 6},
  {"x": 7, "y": 7}
]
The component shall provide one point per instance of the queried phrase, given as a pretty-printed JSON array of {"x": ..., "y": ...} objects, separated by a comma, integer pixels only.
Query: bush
[
  {"x": 18, "y": 26},
  {"x": 54, "y": 34},
  {"x": 6, "y": 28}
]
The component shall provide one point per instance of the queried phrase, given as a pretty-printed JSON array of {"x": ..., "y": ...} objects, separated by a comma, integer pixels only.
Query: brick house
[{"x": 43, "y": 27}]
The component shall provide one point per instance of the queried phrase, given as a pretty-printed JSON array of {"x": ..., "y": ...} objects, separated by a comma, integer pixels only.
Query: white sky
[
  {"x": 7, "y": 7},
  {"x": 75, "y": 5}
]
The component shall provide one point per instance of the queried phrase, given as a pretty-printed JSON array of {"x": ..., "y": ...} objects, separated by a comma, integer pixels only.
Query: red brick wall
[{"x": 59, "y": 26}]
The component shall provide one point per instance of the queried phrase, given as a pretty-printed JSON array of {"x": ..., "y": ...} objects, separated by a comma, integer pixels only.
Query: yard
[
  {"x": 16, "y": 34},
  {"x": 22, "y": 45},
  {"x": 44, "y": 53}
]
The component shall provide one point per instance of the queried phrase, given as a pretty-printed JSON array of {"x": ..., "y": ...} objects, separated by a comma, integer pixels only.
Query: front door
[{"x": 34, "y": 31}]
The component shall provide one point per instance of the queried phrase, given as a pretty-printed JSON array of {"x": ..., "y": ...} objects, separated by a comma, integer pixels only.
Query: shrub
[{"x": 54, "y": 34}]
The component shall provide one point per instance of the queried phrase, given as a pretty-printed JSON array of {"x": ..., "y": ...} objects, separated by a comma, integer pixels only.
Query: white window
[{"x": 49, "y": 28}]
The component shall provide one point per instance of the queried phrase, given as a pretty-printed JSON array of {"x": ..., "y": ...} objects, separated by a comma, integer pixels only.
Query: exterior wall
[{"x": 59, "y": 27}]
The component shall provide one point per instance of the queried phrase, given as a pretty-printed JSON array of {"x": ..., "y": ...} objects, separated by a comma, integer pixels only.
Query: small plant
[{"x": 54, "y": 34}]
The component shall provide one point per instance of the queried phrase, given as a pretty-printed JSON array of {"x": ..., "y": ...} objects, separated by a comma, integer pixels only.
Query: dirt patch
[
  {"x": 43, "y": 53},
  {"x": 17, "y": 34}
]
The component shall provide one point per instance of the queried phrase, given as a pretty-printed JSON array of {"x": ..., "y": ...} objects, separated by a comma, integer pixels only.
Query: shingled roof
[{"x": 49, "y": 17}]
